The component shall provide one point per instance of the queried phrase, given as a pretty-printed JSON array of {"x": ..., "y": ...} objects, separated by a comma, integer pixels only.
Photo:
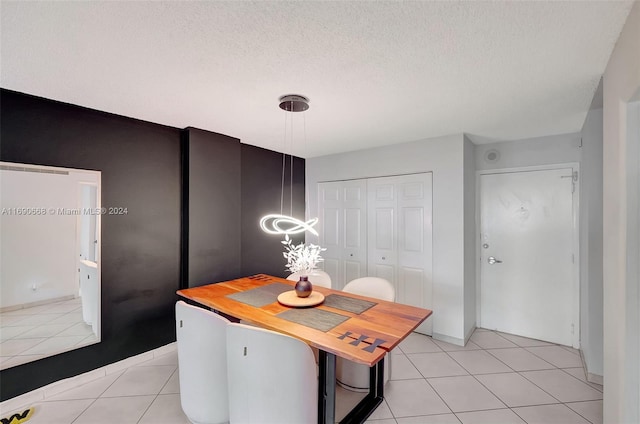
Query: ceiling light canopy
[{"x": 294, "y": 103}]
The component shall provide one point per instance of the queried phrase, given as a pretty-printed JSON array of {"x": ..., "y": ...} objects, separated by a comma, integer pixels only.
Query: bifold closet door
[
  {"x": 399, "y": 234},
  {"x": 343, "y": 230}
]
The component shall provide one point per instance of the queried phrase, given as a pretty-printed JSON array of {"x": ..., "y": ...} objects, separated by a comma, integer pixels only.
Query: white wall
[
  {"x": 38, "y": 251},
  {"x": 591, "y": 314},
  {"x": 470, "y": 242},
  {"x": 561, "y": 148},
  {"x": 444, "y": 157},
  {"x": 621, "y": 82}
]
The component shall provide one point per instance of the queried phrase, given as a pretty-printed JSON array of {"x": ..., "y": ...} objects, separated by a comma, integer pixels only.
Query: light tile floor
[
  {"x": 33, "y": 333},
  {"x": 497, "y": 378}
]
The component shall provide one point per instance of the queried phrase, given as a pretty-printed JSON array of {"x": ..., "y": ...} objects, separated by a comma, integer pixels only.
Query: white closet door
[
  {"x": 343, "y": 230},
  {"x": 329, "y": 228},
  {"x": 383, "y": 240},
  {"x": 354, "y": 242},
  {"x": 400, "y": 237}
]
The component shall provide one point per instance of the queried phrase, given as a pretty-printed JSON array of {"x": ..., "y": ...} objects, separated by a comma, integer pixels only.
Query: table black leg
[
  {"x": 326, "y": 387},
  {"x": 365, "y": 408}
]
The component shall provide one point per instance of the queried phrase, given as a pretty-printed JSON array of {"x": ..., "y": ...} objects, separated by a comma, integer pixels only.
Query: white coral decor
[{"x": 301, "y": 257}]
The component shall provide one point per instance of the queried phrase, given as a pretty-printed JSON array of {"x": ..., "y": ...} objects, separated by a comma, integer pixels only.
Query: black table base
[{"x": 327, "y": 392}]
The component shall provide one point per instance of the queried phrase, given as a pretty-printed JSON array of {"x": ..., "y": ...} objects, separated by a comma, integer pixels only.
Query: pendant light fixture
[{"x": 279, "y": 223}]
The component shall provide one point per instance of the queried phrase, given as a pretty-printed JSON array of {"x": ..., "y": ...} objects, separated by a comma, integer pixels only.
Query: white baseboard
[
  {"x": 37, "y": 303},
  {"x": 595, "y": 378},
  {"x": 45, "y": 392},
  {"x": 444, "y": 338},
  {"x": 591, "y": 378},
  {"x": 469, "y": 334}
]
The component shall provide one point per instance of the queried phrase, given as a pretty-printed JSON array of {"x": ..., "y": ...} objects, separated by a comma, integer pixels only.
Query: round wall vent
[{"x": 492, "y": 156}]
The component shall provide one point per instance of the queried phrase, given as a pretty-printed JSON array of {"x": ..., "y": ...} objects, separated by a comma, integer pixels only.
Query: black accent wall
[
  {"x": 193, "y": 216},
  {"x": 261, "y": 252},
  {"x": 211, "y": 164}
]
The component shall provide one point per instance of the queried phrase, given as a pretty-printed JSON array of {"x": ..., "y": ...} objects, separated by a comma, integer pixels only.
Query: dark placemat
[
  {"x": 349, "y": 304},
  {"x": 276, "y": 288},
  {"x": 314, "y": 318},
  {"x": 261, "y": 296},
  {"x": 254, "y": 297}
]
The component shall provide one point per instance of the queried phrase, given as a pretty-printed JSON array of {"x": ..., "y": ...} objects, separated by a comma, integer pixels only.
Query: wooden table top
[{"x": 385, "y": 324}]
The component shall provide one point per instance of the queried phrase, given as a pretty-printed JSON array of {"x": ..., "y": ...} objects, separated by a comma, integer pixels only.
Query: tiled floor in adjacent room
[
  {"x": 39, "y": 331},
  {"x": 497, "y": 378}
]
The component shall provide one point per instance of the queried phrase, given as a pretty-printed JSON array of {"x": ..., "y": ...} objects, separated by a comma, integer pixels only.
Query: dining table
[{"x": 346, "y": 325}]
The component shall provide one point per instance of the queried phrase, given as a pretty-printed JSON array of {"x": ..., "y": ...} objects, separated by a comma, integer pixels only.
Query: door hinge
[
  {"x": 573, "y": 328},
  {"x": 573, "y": 258}
]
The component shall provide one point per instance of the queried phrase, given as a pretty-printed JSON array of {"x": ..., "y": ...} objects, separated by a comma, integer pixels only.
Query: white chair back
[
  {"x": 272, "y": 377},
  {"x": 317, "y": 277},
  {"x": 202, "y": 364},
  {"x": 352, "y": 376},
  {"x": 372, "y": 287}
]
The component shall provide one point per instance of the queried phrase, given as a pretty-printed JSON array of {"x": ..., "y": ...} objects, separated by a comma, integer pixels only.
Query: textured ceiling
[{"x": 376, "y": 72}]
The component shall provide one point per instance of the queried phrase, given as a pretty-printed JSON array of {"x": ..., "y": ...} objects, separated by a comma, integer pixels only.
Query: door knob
[{"x": 493, "y": 260}]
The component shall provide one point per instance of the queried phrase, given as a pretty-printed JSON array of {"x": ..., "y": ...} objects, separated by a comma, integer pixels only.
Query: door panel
[
  {"x": 384, "y": 192},
  {"x": 331, "y": 266},
  {"x": 411, "y": 286},
  {"x": 413, "y": 191},
  {"x": 343, "y": 229},
  {"x": 400, "y": 237},
  {"x": 527, "y": 227},
  {"x": 384, "y": 225},
  {"x": 354, "y": 231},
  {"x": 413, "y": 240},
  {"x": 353, "y": 270},
  {"x": 331, "y": 227},
  {"x": 415, "y": 234},
  {"x": 387, "y": 272},
  {"x": 352, "y": 228}
]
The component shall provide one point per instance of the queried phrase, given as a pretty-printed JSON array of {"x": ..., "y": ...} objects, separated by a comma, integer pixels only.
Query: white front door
[
  {"x": 400, "y": 237},
  {"x": 527, "y": 256}
]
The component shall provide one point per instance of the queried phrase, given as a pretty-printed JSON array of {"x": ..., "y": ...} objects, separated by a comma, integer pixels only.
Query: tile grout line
[
  {"x": 580, "y": 413},
  {"x": 584, "y": 382},
  {"x": 559, "y": 402},
  {"x": 98, "y": 397},
  {"x": 517, "y": 372},
  {"x": 427, "y": 381},
  {"x": 158, "y": 394}
]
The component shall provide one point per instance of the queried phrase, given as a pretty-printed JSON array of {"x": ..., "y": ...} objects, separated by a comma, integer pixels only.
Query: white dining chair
[
  {"x": 352, "y": 376},
  {"x": 317, "y": 277},
  {"x": 272, "y": 377},
  {"x": 202, "y": 364}
]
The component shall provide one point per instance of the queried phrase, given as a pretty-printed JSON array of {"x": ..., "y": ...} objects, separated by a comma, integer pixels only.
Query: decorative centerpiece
[{"x": 302, "y": 259}]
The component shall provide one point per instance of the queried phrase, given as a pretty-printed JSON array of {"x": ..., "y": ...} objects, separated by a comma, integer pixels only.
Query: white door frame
[{"x": 576, "y": 237}]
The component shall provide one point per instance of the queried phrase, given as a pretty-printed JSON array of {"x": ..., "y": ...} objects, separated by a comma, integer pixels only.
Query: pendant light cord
[{"x": 284, "y": 146}]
